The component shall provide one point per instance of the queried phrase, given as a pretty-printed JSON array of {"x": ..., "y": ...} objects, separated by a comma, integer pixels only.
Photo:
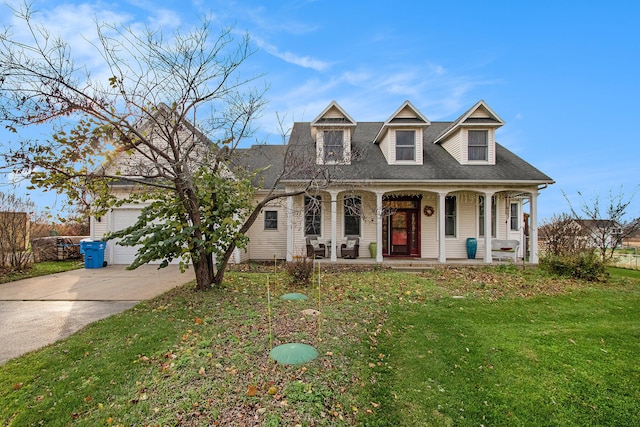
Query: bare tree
[
  {"x": 604, "y": 224},
  {"x": 164, "y": 115},
  {"x": 562, "y": 236}
]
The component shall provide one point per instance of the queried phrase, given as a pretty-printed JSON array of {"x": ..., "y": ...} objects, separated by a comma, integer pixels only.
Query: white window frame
[
  {"x": 414, "y": 146},
  {"x": 345, "y": 211},
  {"x": 511, "y": 217},
  {"x": 494, "y": 215},
  {"x": 338, "y": 153},
  {"x": 453, "y": 215},
  {"x": 318, "y": 213},
  {"x": 270, "y": 211},
  {"x": 485, "y": 146}
]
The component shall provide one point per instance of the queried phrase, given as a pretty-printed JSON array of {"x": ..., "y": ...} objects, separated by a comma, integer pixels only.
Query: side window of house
[
  {"x": 270, "y": 220},
  {"x": 333, "y": 145},
  {"x": 405, "y": 145},
  {"x": 450, "y": 216},
  {"x": 478, "y": 145},
  {"x": 515, "y": 226},
  {"x": 352, "y": 215},
  {"x": 481, "y": 209},
  {"x": 312, "y": 215}
]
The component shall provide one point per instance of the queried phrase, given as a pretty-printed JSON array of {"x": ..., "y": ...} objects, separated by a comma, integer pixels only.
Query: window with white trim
[
  {"x": 478, "y": 145},
  {"x": 405, "y": 145},
  {"x": 312, "y": 216},
  {"x": 515, "y": 223},
  {"x": 481, "y": 209},
  {"x": 270, "y": 220},
  {"x": 333, "y": 142},
  {"x": 352, "y": 214},
  {"x": 450, "y": 216}
]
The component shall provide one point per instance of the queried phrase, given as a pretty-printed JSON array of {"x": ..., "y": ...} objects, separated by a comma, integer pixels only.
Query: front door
[{"x": 401, "y": 229}]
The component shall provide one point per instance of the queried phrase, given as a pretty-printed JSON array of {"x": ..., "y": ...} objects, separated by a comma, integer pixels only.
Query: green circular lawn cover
[
  {"x": 293, "y": 297},
  {"x": 293, "y": 353}
]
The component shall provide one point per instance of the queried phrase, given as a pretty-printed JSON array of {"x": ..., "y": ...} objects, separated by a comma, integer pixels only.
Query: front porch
[
  {"x": 416, "y": 263},
  {"x": 426, "y": 226}
]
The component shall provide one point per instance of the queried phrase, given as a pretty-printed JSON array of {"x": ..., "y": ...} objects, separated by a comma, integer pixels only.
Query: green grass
[
  {"x": 624, "y": 272},
  {"x": 42, "y": 269},
  {"x": 562, "y": 360},
  {"x": 447, "y": 347}
]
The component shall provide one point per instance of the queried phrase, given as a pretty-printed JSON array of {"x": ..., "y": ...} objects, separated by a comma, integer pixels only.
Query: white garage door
[{"x": 123, "y": 218}]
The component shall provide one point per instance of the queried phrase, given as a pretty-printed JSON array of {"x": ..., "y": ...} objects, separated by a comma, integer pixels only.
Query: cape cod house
[{"x": 406, "y": 187}]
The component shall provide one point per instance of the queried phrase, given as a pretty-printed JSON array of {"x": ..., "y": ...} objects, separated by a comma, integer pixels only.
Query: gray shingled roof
[{"x": 369, "y": 163}]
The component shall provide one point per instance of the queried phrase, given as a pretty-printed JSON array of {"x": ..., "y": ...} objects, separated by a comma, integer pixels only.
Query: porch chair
[
  {"x": 351, "y": 249},
  {"x": 315, "y": 248}
]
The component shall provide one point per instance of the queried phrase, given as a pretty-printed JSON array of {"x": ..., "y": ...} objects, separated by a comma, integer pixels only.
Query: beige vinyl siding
[
  {"x": 385, "y": 147},
  {"x": 135, "y": 163},
  {"x": 456, "y": 247},
  {"x": 334, "y": 113},
  {"x": 320, "y": 147},
  {"x": 406, "y": 113},
  {"x": 481, "y": 113},
  {"x": 97, "y": 228},
  {"x": 429, "y": 227},
  {"x": 265, "y": 244},
  {"x": 454, "y": 145},
  {"x": 369, "y": 224},
  {"x": 245, "y": 255}
]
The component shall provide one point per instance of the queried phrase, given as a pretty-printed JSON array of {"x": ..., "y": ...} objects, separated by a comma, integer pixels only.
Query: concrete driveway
[{"x": 39, "y": 311}]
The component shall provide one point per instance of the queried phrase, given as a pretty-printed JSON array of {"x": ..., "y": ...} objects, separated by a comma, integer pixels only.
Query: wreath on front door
[{"x": 428, "y": 210}]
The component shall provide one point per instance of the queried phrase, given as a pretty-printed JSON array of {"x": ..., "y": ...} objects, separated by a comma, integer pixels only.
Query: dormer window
[
  {"x": 478, "y": 145},
  {"x": 332, "y": 131},
  {"x": 406, "y": 145},
  {"x": 333, "y": 146}
]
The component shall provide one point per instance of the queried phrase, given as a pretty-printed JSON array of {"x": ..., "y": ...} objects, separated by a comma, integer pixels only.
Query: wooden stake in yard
[
  {"x": 269, "y": 314},
  {"x": 319, "y": 306}
]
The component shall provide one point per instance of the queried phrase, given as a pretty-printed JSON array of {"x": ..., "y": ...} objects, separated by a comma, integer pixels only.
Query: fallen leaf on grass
[
  {"x": 251, "y": 391},
  {"x": 17, "y": 386}
]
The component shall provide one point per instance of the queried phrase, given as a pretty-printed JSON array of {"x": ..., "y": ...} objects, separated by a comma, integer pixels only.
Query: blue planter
[{"x": 472, "y": 247}]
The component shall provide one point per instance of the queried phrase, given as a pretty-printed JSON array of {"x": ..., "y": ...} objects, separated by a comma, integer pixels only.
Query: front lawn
[
  {"x": 42, "y": 269},
  {"x": 446, "y": 347}
]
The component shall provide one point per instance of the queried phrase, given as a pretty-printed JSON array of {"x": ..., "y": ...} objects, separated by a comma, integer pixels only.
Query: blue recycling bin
[{"x": 93, "y": 253}]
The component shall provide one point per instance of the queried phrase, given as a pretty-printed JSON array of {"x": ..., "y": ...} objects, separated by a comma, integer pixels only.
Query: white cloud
[{"x": 291, "y": 58}]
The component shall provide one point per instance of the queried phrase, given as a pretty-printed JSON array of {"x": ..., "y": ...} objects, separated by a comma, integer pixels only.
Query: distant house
[
  {"x": 633, "y": 239},
  {"x": 600, "y": 232},
  {"x": 406, "y": 187}
]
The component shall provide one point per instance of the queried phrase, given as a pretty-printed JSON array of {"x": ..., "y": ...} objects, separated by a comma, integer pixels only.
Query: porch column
[
  {"x": 442, "y": 250},
  {"x": 289, "y": 255},
  {"x": 488, "y": 208},
  {"x": 533, "y": 231},
  {"x": 379, "y": 227},
  {"x": 334, "y": 219}
]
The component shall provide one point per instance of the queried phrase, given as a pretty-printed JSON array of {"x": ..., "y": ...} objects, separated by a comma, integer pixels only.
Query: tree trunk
[
  {"x": 222, "y": 266},
  {"x": 204, "y": 272}
]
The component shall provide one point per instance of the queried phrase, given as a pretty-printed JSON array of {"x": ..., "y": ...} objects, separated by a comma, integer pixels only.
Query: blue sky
[{"x": 563, "y": 75}]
